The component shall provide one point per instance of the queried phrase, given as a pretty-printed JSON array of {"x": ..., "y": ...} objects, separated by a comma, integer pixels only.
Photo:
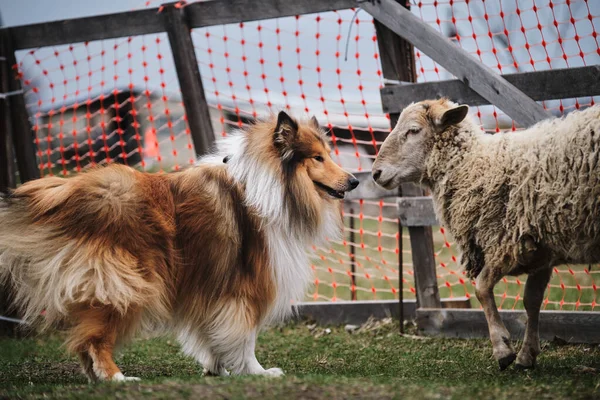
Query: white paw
[
  {"x": 119, "y": 377},
  {"x": 273, "y": 372},
  {"x": 222, "y": 372}
]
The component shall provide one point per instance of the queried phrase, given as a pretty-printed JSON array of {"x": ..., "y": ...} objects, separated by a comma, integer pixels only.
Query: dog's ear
[
  {"x": 285, "y": 135},
  {"x": 314, "y": 123}
]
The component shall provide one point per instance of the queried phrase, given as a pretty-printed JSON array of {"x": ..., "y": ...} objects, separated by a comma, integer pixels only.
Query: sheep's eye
[
  {"x": 413, "y": 131},
  {"x": 319, "y": 158}
]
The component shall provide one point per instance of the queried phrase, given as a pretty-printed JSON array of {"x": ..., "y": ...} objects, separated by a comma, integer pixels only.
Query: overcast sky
[
  {"x": 22, "y": 12},
  {"x": 230, "y": 86}
]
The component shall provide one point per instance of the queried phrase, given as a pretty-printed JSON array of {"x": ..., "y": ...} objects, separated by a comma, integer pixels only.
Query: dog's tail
[{"x": 54, "y": 263}]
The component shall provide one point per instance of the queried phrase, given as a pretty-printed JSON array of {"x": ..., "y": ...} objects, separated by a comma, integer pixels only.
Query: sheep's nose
[
  {"x": 353, "y": 183},
  {"x": 376, "y": 174}
]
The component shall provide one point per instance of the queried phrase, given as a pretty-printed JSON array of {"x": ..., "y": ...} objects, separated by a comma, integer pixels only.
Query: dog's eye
[
  {"x": 413, "y": 131},
  {"x": 319, "y": 158}
]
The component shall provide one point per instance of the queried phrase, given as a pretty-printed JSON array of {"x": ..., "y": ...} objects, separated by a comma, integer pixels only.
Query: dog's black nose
[
  {"x": 353, "y": 182},
  {"x": 376, "y": 174}
]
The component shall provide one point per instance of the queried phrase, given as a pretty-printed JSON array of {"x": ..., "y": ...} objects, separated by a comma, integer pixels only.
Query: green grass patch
[{"x": 376, "y": 363}]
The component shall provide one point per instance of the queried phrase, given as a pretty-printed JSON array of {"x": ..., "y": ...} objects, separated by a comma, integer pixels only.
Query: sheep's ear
[
  {"x": 453, "y": 116},
  {"x": 285, "y": 134}
]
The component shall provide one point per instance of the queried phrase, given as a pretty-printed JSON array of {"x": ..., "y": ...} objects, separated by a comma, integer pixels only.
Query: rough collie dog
[{"x": 211, "y": 253}]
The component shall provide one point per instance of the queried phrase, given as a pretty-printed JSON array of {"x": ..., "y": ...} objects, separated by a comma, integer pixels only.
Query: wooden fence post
[
  {"x": 7, "y": 176},
  {"x": 7, "y": 173},
  {"x": 353, "y": 293},
  {"x": 188, "y": 74},
  {"x": 398, "y": 64},
  {"x": 421, "y": 243},
  {"x": 20, "y": 126},
  {"x": 401, "y": 275}
]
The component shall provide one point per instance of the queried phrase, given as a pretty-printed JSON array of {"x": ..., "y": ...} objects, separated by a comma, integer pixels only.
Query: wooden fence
[{"x": 398, "y": 30}]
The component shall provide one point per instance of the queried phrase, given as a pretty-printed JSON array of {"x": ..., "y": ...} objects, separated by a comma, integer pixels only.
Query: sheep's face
[{"x": 404, "y": 152}]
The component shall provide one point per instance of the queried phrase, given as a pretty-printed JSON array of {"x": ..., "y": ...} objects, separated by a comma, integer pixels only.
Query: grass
[{"x": 373, "y": 362}]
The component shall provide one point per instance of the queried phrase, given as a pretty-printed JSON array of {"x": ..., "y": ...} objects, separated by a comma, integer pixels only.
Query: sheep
[{"x": 515, "y": 202}]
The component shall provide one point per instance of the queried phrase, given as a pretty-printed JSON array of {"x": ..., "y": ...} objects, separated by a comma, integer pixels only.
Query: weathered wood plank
[
  {"x": 7, "y": 177},
  {"x": 571, "y": 326},
  {"x": 358, "y": 312},
  {"x": 457, "y": 302},
  {"x": 461, "y": 64},
  {"x": 4, "y": 149},
  {"x": 352, "y": 241},
  {"x": 188, "y": 74},
  {"x": 148, "y": 21},
  {"x": 108, "y": 26},
  {"x": 398, "y": 63},
  {"x": 368, "y": 189},
  {"x": 397, "y": 58},
  {"x": 352, "y": 312},
  {"x": 417, "y": 211},
  {"x": 539, "y": 85},
  {"x": 401, "y": 274},
  {"x": 421, "y": 243},
  {"x": 396, "y": 54},
  {"x": 209, "y": 13},
  {"x": 22, "y": 134}
]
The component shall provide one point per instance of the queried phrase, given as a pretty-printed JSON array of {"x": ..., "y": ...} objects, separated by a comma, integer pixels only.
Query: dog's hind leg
[
  {"x": 87, "y": 366},
  {"x": 94, "y": 337}
]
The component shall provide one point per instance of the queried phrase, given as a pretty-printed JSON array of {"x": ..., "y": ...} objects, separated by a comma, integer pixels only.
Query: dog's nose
[
  {"x": 353, "y": 182},
  {"x": 376, "y": 174}
]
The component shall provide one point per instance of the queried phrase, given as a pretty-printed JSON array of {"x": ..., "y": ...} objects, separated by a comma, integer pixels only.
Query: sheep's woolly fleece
[{"x": 491, "y": 191}]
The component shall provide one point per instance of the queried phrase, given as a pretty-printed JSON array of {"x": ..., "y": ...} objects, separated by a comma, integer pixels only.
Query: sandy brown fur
[
  {"x": 114, "y": 251},
  {"x": 222, "y": 247}
]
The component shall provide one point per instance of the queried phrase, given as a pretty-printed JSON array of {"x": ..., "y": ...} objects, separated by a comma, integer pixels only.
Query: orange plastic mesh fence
[
  {"x": 510, "y": 37},
  {"x": 119, "y": 101},
  {"x": 298, "y": 64},
  {"x": 98, "y": 102}
]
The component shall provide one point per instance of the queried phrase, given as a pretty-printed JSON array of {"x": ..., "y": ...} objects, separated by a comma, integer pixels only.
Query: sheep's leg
[
  {"x": 484, "y": 289},
  {"x": 534, "y": 295}
]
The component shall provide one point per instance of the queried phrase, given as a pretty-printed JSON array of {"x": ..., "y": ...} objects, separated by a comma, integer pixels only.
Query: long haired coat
[{"x": 211, "y": 253}]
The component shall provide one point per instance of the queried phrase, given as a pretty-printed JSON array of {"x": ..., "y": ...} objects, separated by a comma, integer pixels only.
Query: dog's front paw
[
  {"x": 274, "y": 372},
  {"x": 119, "y": 377},
  {"x": 221, "y": 372}
]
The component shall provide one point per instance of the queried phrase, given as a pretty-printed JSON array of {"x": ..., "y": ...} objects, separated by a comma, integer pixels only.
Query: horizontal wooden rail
[
  {"x": 455, "y": 59},
  {"x": 148, "y": 21},
  {"x": 130, "y": 23},
  {"x": 221, "y": 12},
  {"x": 416, "y": 211},
  {"x": 540, "y": 85},
  {"x": 358, "y": 312},
  {"x": 412, "y": 211},
  {"x": 571, "y": 326}
]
